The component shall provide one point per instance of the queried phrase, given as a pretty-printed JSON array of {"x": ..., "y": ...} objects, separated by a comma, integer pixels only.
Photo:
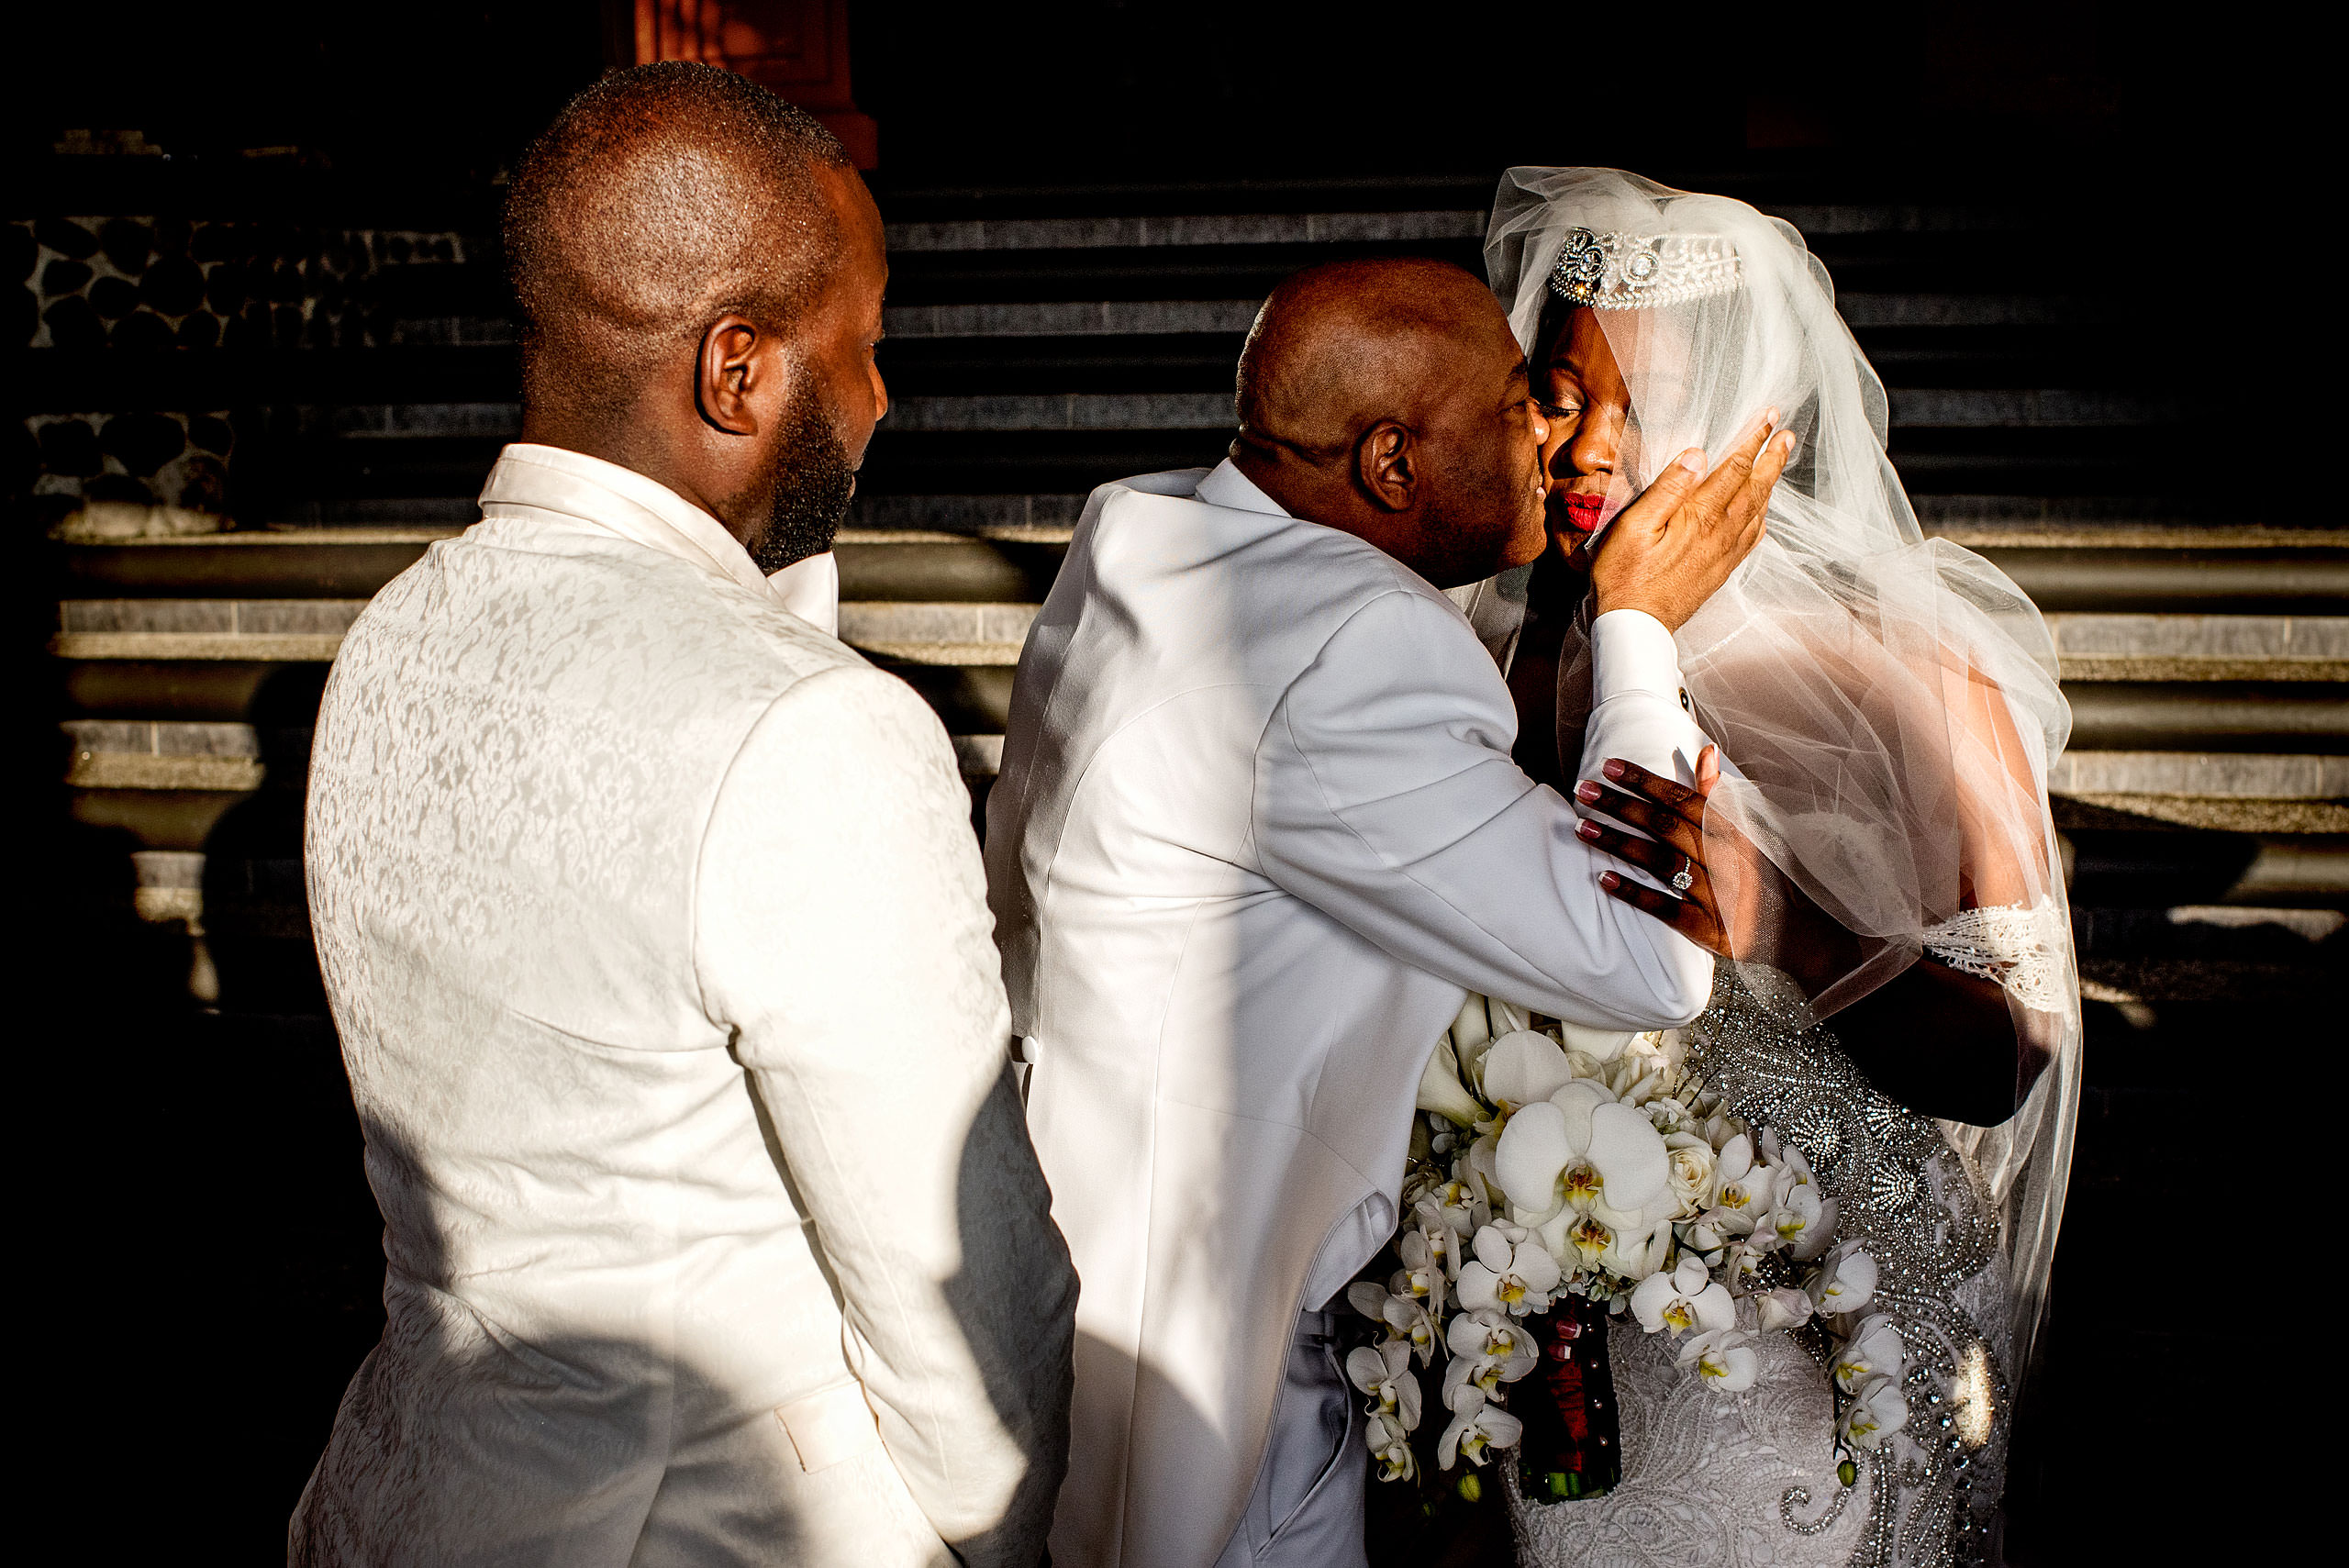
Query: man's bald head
[
  {"x": 1388, "y": 398},
  {"x": 651, "y": 207},
  {"x": 1340, "y": 347}
]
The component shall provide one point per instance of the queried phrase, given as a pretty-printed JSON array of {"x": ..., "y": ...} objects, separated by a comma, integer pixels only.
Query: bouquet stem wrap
[{"x": 1573, "y": 1446}]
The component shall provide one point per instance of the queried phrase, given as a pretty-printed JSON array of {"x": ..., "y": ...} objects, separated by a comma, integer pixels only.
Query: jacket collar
[
  {"x": 1226, "y": 486},
  {"x": 535, "y": 480}
]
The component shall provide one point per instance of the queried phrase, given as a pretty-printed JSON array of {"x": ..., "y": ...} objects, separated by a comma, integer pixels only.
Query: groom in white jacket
[
  {"x": 1256, "y": 833},
  {"x": 656, "y": 938}
]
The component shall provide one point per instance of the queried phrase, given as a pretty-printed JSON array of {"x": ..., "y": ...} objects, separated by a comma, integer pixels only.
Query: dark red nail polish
[
  {"x": 1614, "y": 768},
  {"x": 1586, "y": 791},
  {"x": 1609, "y": 879},
  {"x": 1587, "y": 830}
]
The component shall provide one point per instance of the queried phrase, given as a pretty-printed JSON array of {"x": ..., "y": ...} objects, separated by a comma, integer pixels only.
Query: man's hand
[{"x": 1679, "y": 541}]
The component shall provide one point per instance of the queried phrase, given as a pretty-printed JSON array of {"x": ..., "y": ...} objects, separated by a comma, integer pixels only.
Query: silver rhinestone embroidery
[{"x": 1912, "y": 1200}]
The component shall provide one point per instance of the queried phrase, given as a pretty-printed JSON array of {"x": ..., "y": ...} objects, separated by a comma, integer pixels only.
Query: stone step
[
  {"x": 2120, "y": 948},
  {"x": 1140, "y": 318},
  {"x": 2240, "y": 716},
  {"x": 2123, "y": 662},
  {"x": 2135, "y": 868},
  {"x": 1961, "y": 408},
  {"x": 311, "y": 630},
  {"x": 2200, "y": 647},
  {"x": 250, "y": 630},
  {"x": 109, "y": 754}
]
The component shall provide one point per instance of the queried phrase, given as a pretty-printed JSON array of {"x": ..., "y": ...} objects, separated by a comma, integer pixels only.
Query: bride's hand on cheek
[{"x": 1679, "y": 541}]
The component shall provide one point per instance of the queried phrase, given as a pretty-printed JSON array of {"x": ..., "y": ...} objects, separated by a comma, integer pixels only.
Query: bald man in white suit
[{"x": 1256, "y": 833}]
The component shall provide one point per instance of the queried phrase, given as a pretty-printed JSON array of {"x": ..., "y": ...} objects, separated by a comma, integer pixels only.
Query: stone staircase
[{"x": 362, "y": 381}]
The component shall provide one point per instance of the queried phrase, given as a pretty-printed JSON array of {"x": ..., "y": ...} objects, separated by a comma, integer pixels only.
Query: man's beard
[{"x": 813, "y": 482}]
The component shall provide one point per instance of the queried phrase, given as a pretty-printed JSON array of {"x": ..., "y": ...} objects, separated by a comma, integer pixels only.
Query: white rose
[{"x": 1689, "y": 1164}]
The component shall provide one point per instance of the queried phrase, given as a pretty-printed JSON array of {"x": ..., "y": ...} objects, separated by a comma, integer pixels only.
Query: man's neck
[
  {"x": 628, "y": 444},
  {"x": 1294, "y": 492},
  {"x": 1311, "y": 494}
]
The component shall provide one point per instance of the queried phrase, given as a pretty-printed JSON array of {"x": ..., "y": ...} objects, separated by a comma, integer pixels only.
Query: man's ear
[
  {"x": 1386, "y": 465},
  {"x": 735, "y": 356}
]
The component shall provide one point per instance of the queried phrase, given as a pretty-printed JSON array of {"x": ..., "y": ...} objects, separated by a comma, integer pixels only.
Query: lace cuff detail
[{"x": 2019, "y": 946}]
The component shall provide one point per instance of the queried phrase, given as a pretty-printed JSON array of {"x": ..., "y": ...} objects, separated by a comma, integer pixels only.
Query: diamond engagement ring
[{"x": 1686, "y": 877}]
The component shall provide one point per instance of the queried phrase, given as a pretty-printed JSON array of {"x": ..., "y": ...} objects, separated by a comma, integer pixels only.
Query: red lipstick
[{"x": 1584, "y": 512}]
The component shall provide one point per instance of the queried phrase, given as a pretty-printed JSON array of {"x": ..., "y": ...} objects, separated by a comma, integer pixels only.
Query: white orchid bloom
[
  {"x": 1580, "y": 1241},
  {"x": 1875, "y": 1350},
  {"x": 1635, "y": 1256},
  {"x": 1846, "y": 1281},
  {"x": 1440, "y": 1091},
  {"x": 1487, "y": 1351},
  {"x": 1785, "y": 1308},
  {"x": 1404, "y": 1319},
  {"x": 1390, "y": 1444},
  {"x": 1800, "y": 1222},
  {"x": 1384, "y": 1371},
  {"x": 1702, "y": 1235},
  {"x": 1513, "y": 1273},
  {"x": 1477, "y": 1431},
  {"x": 1578, "y": 1147},
  {"x": 1458, "y": 1211},
  {"x": 1876, "y": 1412},
  {"x": 1442, "y": 1244},
  {"x": 1724, "y": 1358},
  {"x": 1684, "y": 1299},
  {"x": 1741, "y": 1189},
  {"x": 1740, "y": 1266},
  {"x": 1422, "y": 1276}
]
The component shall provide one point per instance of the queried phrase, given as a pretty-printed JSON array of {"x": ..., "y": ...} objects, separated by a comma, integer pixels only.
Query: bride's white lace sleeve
[{"x": 2019, "y": 946}]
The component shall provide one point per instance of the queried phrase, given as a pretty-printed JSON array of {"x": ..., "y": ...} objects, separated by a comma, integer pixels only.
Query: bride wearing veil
[{"x": 1897, "y": 1000}]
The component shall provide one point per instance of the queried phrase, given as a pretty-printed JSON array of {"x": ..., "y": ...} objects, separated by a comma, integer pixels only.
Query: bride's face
[{"x": 1591, "y": 454}]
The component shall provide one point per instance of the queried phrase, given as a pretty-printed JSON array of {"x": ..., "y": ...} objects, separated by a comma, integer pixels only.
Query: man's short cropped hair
[{"x": 662, "y": 198}]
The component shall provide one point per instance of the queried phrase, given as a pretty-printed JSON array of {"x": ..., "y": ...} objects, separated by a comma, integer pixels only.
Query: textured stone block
[{"x": 2240, "y": 776}]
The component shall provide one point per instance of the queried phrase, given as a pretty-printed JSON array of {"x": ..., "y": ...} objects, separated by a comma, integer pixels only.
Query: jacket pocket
[{"x": 1317, "y": 1432}]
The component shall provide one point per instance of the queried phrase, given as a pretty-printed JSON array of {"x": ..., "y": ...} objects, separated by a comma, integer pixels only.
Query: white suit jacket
[
  {"x": 1257, "y": 831},
  {"x": 654, "y": 932}
]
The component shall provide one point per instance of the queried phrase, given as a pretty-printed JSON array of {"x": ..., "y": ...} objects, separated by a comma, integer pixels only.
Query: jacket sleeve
[
  {"x": 1385, "y": 797},
  {"x": 843, "y": 935}
]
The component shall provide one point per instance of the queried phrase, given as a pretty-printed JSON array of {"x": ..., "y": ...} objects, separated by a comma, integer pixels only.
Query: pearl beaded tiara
[{"x": 1635, "y": 272}]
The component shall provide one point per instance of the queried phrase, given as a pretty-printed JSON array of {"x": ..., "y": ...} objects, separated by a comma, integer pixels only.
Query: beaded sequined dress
[{"x": 1741, "y": 1481}]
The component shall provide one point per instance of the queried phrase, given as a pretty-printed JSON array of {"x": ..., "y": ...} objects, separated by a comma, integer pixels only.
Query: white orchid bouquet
[{"x": 1564, "y": 1162}]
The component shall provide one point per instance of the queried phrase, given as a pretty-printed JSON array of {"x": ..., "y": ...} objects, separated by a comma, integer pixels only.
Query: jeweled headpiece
[{"x": 1635, "y": 272}]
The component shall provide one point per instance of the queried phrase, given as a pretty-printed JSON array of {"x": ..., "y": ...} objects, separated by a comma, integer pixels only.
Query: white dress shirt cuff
[{"x": 1630, "y": 651}]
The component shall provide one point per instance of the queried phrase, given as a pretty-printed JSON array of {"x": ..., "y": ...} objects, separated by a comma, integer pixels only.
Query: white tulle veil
[{"x": 1890, "y": 702}]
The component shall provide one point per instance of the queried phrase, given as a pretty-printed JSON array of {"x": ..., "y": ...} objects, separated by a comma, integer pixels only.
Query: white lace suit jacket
[
  {"x": 655, "y": 934},
  {"x": 1257, "y": 831}
]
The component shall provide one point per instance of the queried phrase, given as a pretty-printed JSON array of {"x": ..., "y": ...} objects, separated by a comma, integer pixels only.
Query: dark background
[{"x": 199, "y": 1261}]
